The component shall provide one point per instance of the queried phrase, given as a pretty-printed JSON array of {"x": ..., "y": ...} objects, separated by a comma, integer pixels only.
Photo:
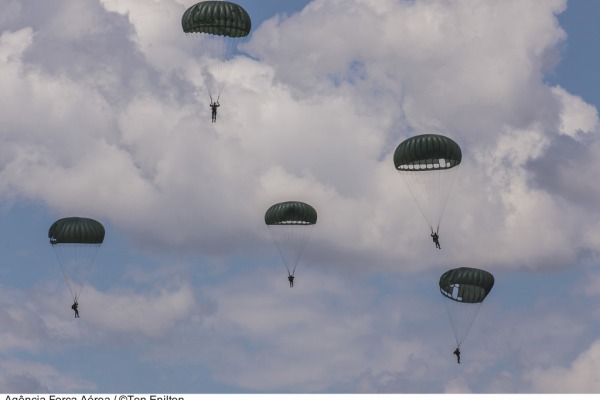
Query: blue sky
[{"x": 105, "y": 115}]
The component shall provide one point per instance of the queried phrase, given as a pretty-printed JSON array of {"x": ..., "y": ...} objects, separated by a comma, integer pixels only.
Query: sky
[{"x": 104, "y": 114}]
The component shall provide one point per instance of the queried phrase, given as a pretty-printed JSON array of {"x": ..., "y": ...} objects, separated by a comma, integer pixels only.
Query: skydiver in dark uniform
[
  {"x": 291, "y": 279},
  {"x": 75, "y": 307},
  {"x": 213, "y": 107},
  {"x": 436, "y": 239},
  {"x": 457, "y": 352}
]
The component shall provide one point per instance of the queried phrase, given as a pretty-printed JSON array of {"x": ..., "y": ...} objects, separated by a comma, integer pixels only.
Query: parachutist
[
  {"x": 464, "y": 289},
  {"x": 436, "y": 239},
  {"x": 457, "y": 352},
  {"x": 289, "y": 223},
  {"x": 76, "y": 240},
  {"x": 429, "y": 163},
  {"x": 75, "y": 307},
  {"x": 213, "y": 107},
  {"x": 219, "y": 25}
]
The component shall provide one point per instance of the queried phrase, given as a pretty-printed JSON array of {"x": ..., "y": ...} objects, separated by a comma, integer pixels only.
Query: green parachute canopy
[
  {"x": 428, "y": 165},
  {"x": 290, "y": 224},
  {"x": 75, "y": 242},
  {"x": 427, "y": 152},
  {"x": 466, "y": 285},
  {"x": 464, "y": 290},
  {"x": 221, "y": 18},
  {"x": 291, "y": 213},
  {"x": 76, "y": 230}
]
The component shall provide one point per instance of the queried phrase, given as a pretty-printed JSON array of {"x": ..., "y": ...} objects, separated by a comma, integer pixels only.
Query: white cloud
[
  {"x": 582, "y": 376},
  {"x": 22, "y": 327},
  {"x": 158, "y": 31},
  {"x": 446, "y": 62},
  {"x": 577, "y": 116},
  {"x": 121, "y": 312},
  {"x": 272, "y": 337},
  {"x": 139, "y": 149},
  {"x": 19, "y": 376},
  {"x": 151, "y": 314}
]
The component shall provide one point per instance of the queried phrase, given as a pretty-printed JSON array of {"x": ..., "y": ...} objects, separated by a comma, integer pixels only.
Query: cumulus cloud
[
  {"x": 581, "y": 376},
  {"x": 26, "y": 329},
  {"x": 22, "y": 327},
  {"x": 129, "y": 139},
  {"x": 262, "y": 335},
  {"x": 577, "y": 117},
  {"x": 443, "y": 61},
  {"x": 115, "y": 315},
  {"x": 18, "y": 376}
]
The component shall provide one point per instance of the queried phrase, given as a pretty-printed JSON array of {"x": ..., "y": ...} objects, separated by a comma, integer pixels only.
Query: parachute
[
  {"x": 464, "y": 290},
  {"x": 76, "y": 241},
  {"x": 219, "y": 26},
  {"x": 429, "y": 164},
  {"x": 290, "y": 225}
]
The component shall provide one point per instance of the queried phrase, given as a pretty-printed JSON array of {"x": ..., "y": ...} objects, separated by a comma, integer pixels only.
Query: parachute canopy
[
  {"x": 221, "y": 18},
  {"x": 466, "y": 285},
  {"x": 464, "y": 290},
  {"x": 427, "y": 152},
  {"x": 76, "y": 230},
  {"x": 290, "y": 224},
  {"x": 428, "y": 164},
  {"x": 291, "y": 213},
  {"x": 76, "y": 241}
]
